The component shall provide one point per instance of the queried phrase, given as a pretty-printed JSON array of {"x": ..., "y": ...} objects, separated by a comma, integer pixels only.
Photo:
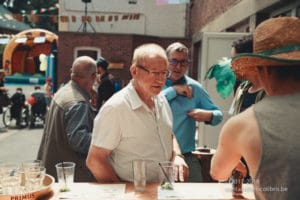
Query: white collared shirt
[{"x": 132, "y": 131}]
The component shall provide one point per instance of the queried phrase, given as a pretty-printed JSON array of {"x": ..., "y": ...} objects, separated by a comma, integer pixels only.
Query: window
[
  {"x": 87, "y": 51},
  {"x": 292, "y": 9},
  {"x": 284, "y": 14}
]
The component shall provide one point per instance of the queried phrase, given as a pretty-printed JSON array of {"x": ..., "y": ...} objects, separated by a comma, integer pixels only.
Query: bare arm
[
  {"x": 239, "y": 137},
  {"x": 176, "y": 148},
  {"x": 97, "y": 161},
  {"x": 228, "y": 152}
]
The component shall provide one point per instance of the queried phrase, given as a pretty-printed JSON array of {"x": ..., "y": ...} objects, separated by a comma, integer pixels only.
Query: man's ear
[{"x": 133, "y": 70}]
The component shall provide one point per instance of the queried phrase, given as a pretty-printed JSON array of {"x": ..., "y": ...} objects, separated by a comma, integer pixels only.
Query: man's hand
[
  {"x": 241, "y": 168},
  {"x": 181, "y": 169},
  {"x": 184, "y": 90},
  {"x": 200, "y": 115}
]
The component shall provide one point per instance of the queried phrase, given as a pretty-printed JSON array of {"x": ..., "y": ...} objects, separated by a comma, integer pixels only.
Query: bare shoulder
[
  {"x": 245, "y": 130},
  {"x": 242, "y": 131},
  {"x": 244, "y": 121}
]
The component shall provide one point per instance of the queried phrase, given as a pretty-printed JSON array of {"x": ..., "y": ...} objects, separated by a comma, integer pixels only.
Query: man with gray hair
[
  {"x": 190, "y": 103},
  {"x": 69, "y": 123},
  {"x": 142, "y": 123}
]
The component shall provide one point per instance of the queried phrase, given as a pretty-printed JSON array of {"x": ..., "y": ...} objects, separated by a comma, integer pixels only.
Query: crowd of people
[
  {"x": 35, "y": 105},
  {"x": 154, "y": 117}
]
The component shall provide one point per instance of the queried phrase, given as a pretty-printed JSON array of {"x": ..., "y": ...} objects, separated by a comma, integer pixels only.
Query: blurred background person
[
  {"x": 245, "y": 93},
  {"x": 3, "y": 92},
  {"x": 69, "y": 122},
  {"x": 38, "y": 103},
  {"x": 17, "y": 103},
  {"x": 48, "y": 90},
  {"x": 105, "y": 87}
]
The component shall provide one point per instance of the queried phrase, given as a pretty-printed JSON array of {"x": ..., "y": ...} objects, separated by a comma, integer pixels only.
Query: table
[
  {"x": 204, "y": 155},
  {"x": 189, "y": 190}
]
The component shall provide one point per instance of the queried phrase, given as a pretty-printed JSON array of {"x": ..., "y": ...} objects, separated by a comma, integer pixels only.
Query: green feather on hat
[{"x": 224, "y": 76}]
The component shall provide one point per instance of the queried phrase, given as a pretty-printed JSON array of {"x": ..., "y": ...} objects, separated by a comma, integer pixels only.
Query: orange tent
[{"x": 21, "y": 54}]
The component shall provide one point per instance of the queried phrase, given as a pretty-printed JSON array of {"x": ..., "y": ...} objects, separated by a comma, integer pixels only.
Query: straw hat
[{"x": 276, "y": 42}]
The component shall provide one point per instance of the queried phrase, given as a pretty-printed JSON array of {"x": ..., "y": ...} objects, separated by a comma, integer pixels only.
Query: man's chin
[
  {"x": 175, "y": 76},
  {"x": 155, "y": 90}
]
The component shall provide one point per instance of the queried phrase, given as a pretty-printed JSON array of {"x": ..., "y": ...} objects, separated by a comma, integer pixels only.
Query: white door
[{"x": 213, "y": 46}]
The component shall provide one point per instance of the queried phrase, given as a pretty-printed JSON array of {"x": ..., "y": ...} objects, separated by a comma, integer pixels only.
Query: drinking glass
[
  {"x": 139, "y": 175},
  {"x": 10, "y": 178},
  {"x": 65, "y": 174},
  {"x": 34, "y": 177}
]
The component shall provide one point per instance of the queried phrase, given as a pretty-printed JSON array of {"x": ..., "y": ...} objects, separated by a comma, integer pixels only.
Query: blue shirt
[{"x": 184, "y": 126}]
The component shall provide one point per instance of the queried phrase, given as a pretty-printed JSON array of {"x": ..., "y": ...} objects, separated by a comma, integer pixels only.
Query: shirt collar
[
  {"x": 135, "y": 100},
  {"x": 84, "y": 93}
]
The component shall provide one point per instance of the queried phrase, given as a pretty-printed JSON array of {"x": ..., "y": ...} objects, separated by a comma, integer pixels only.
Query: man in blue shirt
[{"x": 189, "y": 102}]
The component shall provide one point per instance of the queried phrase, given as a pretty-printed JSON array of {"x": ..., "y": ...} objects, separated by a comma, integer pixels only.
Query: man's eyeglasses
[
  {"x": 152, "y": 73},
  {"x": 175, "y": 62}
]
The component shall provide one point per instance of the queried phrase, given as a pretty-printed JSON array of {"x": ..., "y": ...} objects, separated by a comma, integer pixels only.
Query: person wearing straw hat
[{"x": 271, "y": 126}]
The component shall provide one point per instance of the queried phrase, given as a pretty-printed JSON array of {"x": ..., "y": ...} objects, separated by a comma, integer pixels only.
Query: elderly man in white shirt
[{"x": 136, "y": 123}]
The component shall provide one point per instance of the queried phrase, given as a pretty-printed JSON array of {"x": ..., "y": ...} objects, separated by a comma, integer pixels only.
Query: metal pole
[{"x": 85, "y": 18}]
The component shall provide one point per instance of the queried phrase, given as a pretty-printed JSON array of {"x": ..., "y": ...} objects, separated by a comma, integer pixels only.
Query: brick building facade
[
  {"x": 201, "y": 16},
  {"x": 116, "y": 48}
]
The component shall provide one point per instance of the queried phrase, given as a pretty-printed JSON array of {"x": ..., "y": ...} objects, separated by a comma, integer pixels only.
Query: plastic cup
[
  {"x": 139, "y": 175},
  {"x": 65, "y": 175},
  {"x": 167, "y": 175}
]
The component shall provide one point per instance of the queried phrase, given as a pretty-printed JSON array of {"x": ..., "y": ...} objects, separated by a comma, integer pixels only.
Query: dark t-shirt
[{"x": 105, "y": 90}]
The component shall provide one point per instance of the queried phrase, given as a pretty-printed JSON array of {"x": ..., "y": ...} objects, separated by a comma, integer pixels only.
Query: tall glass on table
[
  {"x": 139, "y": 175},
  {"x": 65, "y": 174}
]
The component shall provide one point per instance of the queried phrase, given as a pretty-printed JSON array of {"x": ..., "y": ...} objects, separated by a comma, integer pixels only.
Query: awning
[{"x": 8, "y": 22}]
